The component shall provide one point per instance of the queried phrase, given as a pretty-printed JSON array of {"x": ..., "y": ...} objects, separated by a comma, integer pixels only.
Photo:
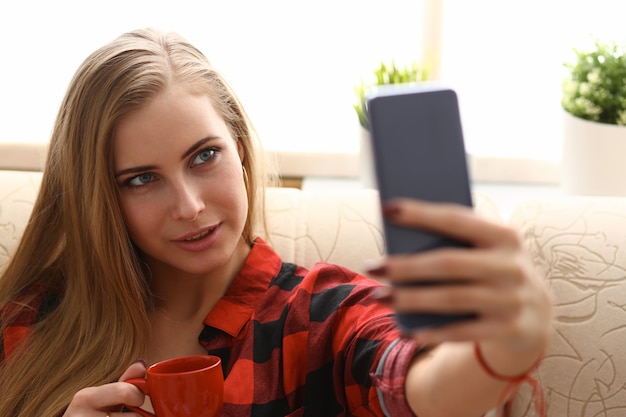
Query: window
[
  {"x": 505, "y": 59},
  {"x": 294, "y": 64}
]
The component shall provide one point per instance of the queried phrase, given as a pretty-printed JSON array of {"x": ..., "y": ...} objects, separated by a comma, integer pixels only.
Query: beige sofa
[{"x": 579, "y": 244}]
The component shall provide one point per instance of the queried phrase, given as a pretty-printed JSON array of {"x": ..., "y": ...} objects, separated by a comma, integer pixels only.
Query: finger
[
  {"x": 469, "y": 330},
  {"x": 528, "y": 327},
  {"x": 452, "y": 220},
  {"x": 105, "y": 397},
  {"x": 135, "y": 370},
  {"x": 446, "y": 298},
  {"x": 499, "y": 267}
]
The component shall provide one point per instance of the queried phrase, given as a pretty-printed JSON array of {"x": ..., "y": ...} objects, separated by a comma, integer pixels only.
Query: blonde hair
[{"x": 76, "y": 239}]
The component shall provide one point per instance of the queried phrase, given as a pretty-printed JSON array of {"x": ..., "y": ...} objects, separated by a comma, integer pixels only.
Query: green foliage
[
  {"x": 386, "y": 74},
  {"x": 596, "y": 87}
]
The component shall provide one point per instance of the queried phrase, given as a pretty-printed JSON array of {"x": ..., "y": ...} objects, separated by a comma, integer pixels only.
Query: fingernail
[
  {"x": 141, "y": 361},
  {"x": 391, "y": 210},
  {"x": 376, "y": 267},
  {"x": 383, "y": 295}
]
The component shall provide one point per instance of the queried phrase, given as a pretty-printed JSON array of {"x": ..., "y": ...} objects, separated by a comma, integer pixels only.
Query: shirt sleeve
[
  {"x": 390, "y": 377},
  {"x": 17, "y": 318},
  {"x": 376, "y": 356},
  {"x": 12, "y": 337}
]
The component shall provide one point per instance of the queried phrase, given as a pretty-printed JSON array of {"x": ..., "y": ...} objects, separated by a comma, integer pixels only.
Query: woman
[{"x": 141, "y": 245}]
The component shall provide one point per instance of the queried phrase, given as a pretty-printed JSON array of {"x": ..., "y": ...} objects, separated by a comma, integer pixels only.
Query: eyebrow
[
  {"x": 188, "y": 152},
  {"x": 197, "y": 145}
]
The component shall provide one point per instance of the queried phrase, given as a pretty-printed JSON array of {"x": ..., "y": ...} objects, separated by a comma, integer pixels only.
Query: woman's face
[{"x": 180, "y": 176}]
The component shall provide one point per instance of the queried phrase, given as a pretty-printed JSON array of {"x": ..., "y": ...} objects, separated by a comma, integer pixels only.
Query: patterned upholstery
[
  {"x": 333, "y": 225},
  {"x": 579, "y": 244},
  {"x": 18, "y": 190},
  {"x": 307, "y": 227}
]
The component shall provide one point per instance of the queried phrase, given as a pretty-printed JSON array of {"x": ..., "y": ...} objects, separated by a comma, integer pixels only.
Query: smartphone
[{"x": 419, "y": 152}]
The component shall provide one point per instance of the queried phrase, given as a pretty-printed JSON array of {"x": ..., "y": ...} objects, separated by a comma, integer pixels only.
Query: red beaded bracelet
[{"x": 514, "y": 383}]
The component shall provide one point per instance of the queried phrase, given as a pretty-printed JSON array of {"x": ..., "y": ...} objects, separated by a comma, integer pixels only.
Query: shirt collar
[{"x": 235, "y": 308}]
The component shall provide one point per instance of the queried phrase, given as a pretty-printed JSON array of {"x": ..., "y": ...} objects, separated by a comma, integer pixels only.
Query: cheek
[
  {"x": 232, "y": 195},
  {"x": 230, "y": 182},
  {"x": 139, "y": 219}
]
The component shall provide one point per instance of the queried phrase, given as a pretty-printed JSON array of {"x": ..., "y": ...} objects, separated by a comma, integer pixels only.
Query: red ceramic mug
[{"x": 187, "y": 386}]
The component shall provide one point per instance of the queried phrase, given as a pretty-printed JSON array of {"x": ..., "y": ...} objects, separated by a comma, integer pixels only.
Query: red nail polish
[
  {"x": 377, "y": 271},
  {"x": 390, "y": 210},
  {"x": 376, "y": 267}
]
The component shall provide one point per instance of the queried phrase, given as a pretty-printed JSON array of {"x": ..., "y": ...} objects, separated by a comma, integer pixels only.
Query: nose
[{"x": 188, "y": 202}]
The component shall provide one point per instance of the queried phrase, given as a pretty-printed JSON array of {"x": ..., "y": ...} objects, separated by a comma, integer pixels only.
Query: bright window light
[{"x": 294, "y": 64}]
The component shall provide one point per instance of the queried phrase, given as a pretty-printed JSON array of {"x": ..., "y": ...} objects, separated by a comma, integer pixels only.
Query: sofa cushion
[
  {"x": 579, "y": 245},
  {"x": 336, "y": 226},
  {"x": 18, "y": 190},
  {"x": 306, "y": 227},
  {"x": 23, "y": 156}
]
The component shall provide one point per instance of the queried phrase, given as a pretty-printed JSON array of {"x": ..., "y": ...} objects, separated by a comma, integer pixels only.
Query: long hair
[{"x": 76, "y": 241}]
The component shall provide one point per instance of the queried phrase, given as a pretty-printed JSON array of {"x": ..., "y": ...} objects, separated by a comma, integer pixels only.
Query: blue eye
[
  {"x": 140, "y": 180},
  {"x": 204, "y": 156}
]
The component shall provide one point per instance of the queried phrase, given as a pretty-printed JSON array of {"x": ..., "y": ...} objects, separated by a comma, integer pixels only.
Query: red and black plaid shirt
[{"x": 298, "y": 342}]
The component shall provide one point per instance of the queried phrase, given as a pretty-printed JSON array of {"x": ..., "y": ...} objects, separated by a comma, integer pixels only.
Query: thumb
[{"x": 136, "y": 370}]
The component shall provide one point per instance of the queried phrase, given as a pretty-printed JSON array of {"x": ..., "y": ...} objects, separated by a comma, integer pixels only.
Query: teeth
[{"x": 198, "y": 237}]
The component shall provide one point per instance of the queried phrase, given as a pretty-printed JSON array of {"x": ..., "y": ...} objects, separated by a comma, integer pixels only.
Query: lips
[
  {"x": 199, "y": 240},
  {"x": 199, "y": 235}
]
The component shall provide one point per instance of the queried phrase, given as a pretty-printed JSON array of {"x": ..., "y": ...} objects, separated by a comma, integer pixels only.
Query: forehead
[{"x": 169, "y": 122}]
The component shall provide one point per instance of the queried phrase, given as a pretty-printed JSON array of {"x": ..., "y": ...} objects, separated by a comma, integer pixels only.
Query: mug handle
[{"x": 141, "y": 384}]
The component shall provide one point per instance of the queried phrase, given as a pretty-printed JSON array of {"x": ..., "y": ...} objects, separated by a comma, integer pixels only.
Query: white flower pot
[
  {"x": 594, "y": 158},
  {"x": 367, "y": 170}
]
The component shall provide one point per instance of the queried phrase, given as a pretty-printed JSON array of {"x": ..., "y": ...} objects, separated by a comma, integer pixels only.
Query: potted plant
[
  {"x": 594, "y": 101},
  {"x": 384, "y": 74}
]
